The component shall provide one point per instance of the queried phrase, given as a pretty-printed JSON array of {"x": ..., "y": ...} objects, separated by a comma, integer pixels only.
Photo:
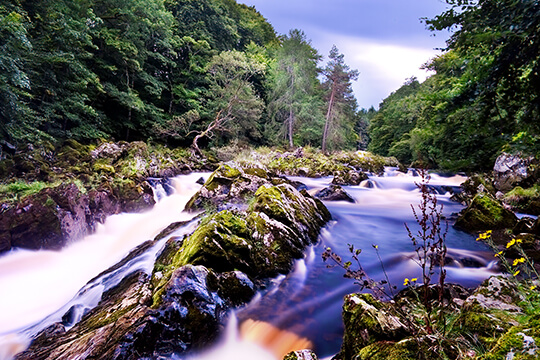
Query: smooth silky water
[
  {"x": 302, "y": 309},
  {"x": 39, "y": 287}
]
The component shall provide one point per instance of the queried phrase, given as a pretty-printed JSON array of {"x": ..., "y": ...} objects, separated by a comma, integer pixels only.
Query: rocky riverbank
[{"x": 255, "y": 224}]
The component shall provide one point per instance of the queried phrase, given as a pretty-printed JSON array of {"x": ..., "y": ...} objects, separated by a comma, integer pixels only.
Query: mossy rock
[
  {"x": 519, "y": 343},
  {"x": 103, "y": 166},
  {"x": 410, "y": 348},
  {"x": 524, "y": 200},
  {"x": 368, "y": 321},
  {"x": 485, "y": 213},
  {"x": 301, "y": 355},
  {"x": 221, "y": 242}
]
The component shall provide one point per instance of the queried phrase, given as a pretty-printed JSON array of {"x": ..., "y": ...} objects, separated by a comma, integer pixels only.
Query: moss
[
  {"x": 104, "y": 166},
  {"x": 20, "y": 189},
  {"x": 485, "y": 213},
  {"x": 521, "y": 341},
  {"x": 524, "y": 200},
  {"x": 221, "y": 242}
]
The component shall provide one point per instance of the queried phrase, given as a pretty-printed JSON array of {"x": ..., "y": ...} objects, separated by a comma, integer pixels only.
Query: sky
[{"x": 383, "y": 39}]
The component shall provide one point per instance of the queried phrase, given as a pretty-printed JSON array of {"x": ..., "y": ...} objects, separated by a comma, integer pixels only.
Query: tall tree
[
  {"x": 293, "y": 83},
  {"x": 232, "y": 103},
  {"x": 338, "y": 78},
  {"x": 17, "y": 121}
]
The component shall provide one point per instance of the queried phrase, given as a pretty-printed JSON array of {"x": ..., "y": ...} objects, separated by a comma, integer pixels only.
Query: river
[{"x": 302, "y": 308}]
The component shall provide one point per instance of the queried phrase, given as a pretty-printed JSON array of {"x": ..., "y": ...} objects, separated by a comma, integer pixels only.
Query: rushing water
[
  {"x": 302, "y": 309},
  {"x": 39, "y": 287},
  {"x": 307, "y": 303}
]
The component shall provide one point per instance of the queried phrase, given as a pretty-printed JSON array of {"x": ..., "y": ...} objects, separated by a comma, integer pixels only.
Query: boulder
[
  {"x": 366, "y": 322},
  {"x": 334, "y": 193},
  {"x": 350, "y": 177},
  {"x": 55, "y": 216},
  {"x": 485, "y": 213},
  {"x": 46, "y": 220},
  {"x": 230, "y": 184},
  {"x": 510, "y": 171}
]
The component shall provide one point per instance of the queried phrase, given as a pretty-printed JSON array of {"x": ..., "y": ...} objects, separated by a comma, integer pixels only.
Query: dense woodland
[
  {"x": 179, "y": 72},
  {"x": 207, "y": 73}
]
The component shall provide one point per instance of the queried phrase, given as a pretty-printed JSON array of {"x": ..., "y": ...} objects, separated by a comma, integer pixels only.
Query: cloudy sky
[{"x": 383, "y": 39}]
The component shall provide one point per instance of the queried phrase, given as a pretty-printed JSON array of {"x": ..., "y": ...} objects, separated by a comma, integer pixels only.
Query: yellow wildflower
[
  {"x": 406, "y": 282},
  {"x": 518, "y": 261},
  {"x": 498, "y": 254},
  {"x": 518, "y": 241},
  {"x": 510, "y": 243},
  {"x": 489, "y": 232},
  {"x": 414, "y": 279},
  {"x": 517, "y": 273},
  {"x": 533, "y": 287}
]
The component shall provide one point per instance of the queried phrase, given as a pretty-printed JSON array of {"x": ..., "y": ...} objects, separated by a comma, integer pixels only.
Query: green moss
[
  {"x": 104, "y": 166},
  {"x": 19, "y": 189},
  {"x": 517, "y": 341},
  {"x": 485, "y": 213}
]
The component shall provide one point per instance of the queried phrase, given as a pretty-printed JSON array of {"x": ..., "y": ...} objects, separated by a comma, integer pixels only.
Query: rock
[
  {"x": 334, "y": 193},
  {"x": 485, "y": 213},
  {"x": 525, "y": 201},
  {"x": 301, "y": 355},
  {"x": 350, "y": 177},
  {"x": 229, "y": 184},
  {"x": 512, "y": 170},
  {"x": 368, "y": 321},
  {"x": 46, "y": 220},
  {"x": 55, "y": 216},
  {"x": 107, "y": 150}
]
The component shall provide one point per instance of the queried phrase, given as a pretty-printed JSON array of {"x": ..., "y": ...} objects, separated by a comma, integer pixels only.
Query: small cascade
[
  {"x": 61, "y": 279},
  {"x": 252, "y": 340}
]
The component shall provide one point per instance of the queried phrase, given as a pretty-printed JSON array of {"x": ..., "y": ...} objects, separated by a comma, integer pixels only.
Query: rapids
[
  {"x": 304, "y": 307},
  {"x": 39, "y": 287},
  {"x": 301, "y": 309}
]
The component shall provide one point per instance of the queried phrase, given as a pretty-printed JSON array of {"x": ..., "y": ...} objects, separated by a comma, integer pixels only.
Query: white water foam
[{"x": 36, "y": 284}]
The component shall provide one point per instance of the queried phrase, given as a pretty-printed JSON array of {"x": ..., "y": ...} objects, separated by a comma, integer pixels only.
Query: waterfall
[{"x": 39, "y": 287}]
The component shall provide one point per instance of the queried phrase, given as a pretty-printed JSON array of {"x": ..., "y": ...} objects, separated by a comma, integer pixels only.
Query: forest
[
  {"x": 209, "y": 73},
  {"x": 173, "y": 72}
]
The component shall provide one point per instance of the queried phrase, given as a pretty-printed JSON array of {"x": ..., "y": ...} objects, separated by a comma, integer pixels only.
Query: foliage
[
  {"x": 483, "y": 97},
  {"x": 341, "y": 104},
  {"x": 294, "y": 102},
  {"x": 429, "y": 244}
]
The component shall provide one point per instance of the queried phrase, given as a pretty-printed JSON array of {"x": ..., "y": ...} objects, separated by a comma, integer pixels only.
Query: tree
[
  {"x": 340, "y": 97},
  {"x": 232, "y": 102},
  {"x": 17, "y": 121},
  {"x": 293, "y": 83}
]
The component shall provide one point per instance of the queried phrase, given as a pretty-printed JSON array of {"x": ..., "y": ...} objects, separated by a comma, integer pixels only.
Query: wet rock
[
  {"x": 46, "y": 220},
  {"x": 485, "y": 213},
  {"x": 350, "y": 177},
  {"x": 367, "y": 321},
  {"x": 228, "y": 184},
  {"x": 334, "y": 193},
  {"x": 301, "y": 355},
  {"x": 512, "y": 170}
]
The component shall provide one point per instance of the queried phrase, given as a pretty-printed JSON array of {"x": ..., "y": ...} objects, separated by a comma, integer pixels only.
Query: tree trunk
[
  {"x": 291, "y": 112},
  {"x": 328, "y": 119}
]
